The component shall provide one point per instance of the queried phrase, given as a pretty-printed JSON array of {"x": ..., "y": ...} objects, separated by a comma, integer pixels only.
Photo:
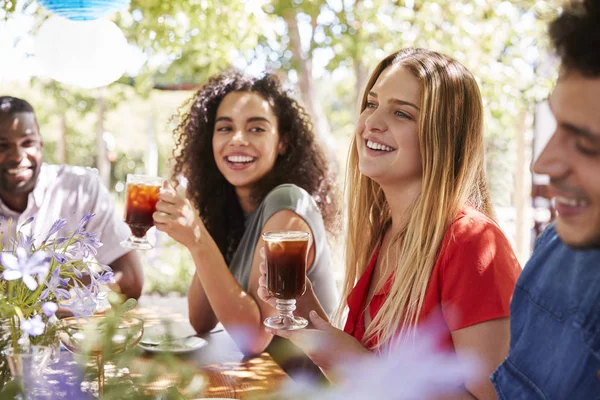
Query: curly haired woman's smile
[{"x": 246, "y": 138}]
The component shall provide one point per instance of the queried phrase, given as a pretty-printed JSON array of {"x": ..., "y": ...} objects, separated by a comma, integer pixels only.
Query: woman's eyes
[
  {"x": 401, "y": 114},
  {"x": 255, "y": 129},
  {"x": 398, "y": 113}
]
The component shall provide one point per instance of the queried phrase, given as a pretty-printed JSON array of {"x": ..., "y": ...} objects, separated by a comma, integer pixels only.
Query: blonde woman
[{"x": 421, "y": 236}]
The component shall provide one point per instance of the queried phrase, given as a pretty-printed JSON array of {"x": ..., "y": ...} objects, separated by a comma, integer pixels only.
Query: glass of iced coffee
[
  {"x": 286, "y": 253},
  {"x": 142, "y": 196}
]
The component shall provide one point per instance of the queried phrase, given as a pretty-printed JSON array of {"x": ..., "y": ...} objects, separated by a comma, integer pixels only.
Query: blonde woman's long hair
[{"x": 450, "y": 130}]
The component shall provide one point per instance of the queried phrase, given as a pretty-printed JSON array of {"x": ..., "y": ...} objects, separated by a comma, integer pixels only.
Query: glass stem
[{"x": 286, "y": 308}]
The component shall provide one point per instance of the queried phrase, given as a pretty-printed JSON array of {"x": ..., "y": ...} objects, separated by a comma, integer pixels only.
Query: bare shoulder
[
  {"x": 288, "y": 195},
  {"x": 286, "y": 220}
]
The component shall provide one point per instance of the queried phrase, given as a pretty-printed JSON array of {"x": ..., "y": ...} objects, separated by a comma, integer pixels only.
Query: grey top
[{"x": 293, "y": 198}]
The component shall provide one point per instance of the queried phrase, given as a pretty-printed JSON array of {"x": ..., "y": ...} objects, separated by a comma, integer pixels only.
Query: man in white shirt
[{"x": 31, "y": 188}]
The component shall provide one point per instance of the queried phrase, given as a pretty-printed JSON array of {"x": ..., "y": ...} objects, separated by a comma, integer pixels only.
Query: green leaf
[{"x": 128, "y": 305}]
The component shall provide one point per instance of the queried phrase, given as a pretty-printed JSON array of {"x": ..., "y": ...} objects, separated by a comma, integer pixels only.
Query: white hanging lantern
[{"x": 87, "y": 54}]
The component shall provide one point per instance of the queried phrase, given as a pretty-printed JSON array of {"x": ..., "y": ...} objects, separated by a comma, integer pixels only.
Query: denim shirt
[{"x": 555, "y": 326}]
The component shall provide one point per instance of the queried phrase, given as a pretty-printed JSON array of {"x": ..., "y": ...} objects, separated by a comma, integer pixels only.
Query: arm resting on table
[{"x": 129, "y": 275}]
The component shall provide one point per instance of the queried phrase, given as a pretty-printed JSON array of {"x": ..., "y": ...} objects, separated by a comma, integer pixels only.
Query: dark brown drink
[
  {"x": 141, "y": 204},
  {"x": 286, "y": 267}
]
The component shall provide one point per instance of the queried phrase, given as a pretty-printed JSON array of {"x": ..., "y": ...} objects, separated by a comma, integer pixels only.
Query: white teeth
[
  {"x": 15, "y": 171},
  {"x": 240, "y": 159},
  {"x": 571, "y": 202},
  {"x": 378, "y": 146}
]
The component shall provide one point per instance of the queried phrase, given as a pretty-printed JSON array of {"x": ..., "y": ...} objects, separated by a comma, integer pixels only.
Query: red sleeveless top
[{"x": 472, "y": 281}]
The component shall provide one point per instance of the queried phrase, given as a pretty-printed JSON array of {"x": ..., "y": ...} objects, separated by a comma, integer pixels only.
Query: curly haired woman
[{"x": 250, "y": 156}]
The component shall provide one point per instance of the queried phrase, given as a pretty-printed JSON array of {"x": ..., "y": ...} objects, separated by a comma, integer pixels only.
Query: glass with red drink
[
  {"x": 140, "y": 203},
  {"x": 286, "y": 253}
]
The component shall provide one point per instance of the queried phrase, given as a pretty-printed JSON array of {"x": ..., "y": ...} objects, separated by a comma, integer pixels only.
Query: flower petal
[
  {"x": 11, "y": 275},
  {"x": 37, "y": 258},
  {"x": 49, "y": 308},
  {"x": 62, "y": 294},
  {"x": 30, "y": 282},
  {"x": 60, "y": 258},
  {"x": 9, "y": 261},
  {"x": 22, "y": 256}
]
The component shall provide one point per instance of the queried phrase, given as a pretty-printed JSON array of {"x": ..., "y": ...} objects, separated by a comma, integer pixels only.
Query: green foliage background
[{"x": 323, "y": 49}]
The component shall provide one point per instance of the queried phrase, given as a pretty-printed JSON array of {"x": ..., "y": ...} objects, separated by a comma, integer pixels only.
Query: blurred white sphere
[{"x": 87, "y": 54}]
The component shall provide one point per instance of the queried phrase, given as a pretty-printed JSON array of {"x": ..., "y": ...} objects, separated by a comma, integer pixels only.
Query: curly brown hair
[
  {"x": 303, "y": 164},
  {"x": 575, "y": 34}
]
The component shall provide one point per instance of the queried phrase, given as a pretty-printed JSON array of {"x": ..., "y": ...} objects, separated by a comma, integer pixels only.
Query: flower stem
[{"x": 13, "y": 333}]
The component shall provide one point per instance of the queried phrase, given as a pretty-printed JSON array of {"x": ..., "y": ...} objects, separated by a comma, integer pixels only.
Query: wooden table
[{"x": 229, "y": 373}]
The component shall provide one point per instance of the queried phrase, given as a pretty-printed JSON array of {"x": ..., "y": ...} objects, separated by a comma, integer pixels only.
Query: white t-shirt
[{"x": 69, "y": 192}]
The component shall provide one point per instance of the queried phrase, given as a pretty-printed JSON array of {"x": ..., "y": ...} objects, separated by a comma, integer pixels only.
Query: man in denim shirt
[{"x": 555, "y": 311}]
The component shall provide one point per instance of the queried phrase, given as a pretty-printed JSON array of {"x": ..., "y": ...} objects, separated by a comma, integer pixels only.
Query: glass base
[
  {"x": 286, "y": 321},
  {"x": 136, "y": 243}
]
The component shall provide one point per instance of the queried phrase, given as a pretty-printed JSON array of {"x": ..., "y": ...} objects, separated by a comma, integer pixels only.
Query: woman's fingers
[
  {"x": 167, "y": 208},
  {"x": 160, "y": 218},
  {"x": 265, "y": 296},
  {"x": 168, "y": 194},
  {"x": 263, "y": 293},
  {"x": 167, "y": 212},
  {"x": 281, "y": 332}
]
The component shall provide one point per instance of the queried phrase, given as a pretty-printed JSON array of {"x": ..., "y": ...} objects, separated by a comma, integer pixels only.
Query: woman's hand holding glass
[
  {"x": 324, "y": 344},
  {"x": 177, "y": 217},
  {"x": 265, "y": 295},
  {"x": 327, "y": 346}
]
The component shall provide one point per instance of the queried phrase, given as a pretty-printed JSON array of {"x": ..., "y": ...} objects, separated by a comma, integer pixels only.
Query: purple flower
[
  {"x": 23, "y": 241},
  {"x": 60, "y": 257},
  {"x": 77, "y": 272},
  {"x": 56, "y": 226},
  {"x": 49, "y": 308},
  {"x": 27, "y": 222},
  {"x": 55, "y": 285},
  {"x": 82, "y": 224},
  {"x": 33, "y": 326},
  {"x": 88, "y": 243},
  {"x": 106, "y": 278},
  {"x": 83, "y": 303},
  {"x": 412, "y": 367},
  {"x": 103, "y": 277},
  {"x": 23, "y": 266}
]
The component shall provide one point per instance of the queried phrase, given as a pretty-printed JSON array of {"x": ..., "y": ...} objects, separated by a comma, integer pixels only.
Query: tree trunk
[
  {"x": 151, "y": 147},
  {"x": 361, "y": 74},
  {"x": 102, "y": 162},
  {"x": 306, "y": 86},
  {"x": 61, "y": 148},
  {"x": 360, "y": 69}
]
